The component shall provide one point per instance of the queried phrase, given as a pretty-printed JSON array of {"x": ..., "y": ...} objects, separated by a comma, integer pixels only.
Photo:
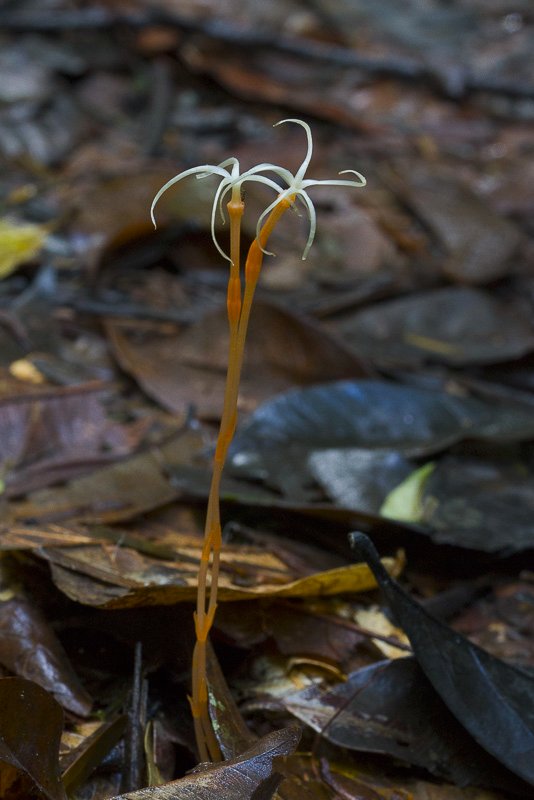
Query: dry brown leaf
[
  {"x": 117, "y": 492},
  {"x": 117, "y": 577},
  {"x": 180, "y": 368}
]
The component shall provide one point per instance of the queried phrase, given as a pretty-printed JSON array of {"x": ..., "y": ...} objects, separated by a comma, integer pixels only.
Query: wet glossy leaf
[
  {"x": 355, "y": 477},
  {"x": 31, "y": 723},
  {"x": 241, "y": 778},
  {"x": 273, "y": 443},
  {"x": 390, "y": 707},
  {"x": 491, "y": 699}
]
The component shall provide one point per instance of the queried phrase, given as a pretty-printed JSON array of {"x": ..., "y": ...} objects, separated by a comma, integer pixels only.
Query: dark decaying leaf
[
  {"x": 31, "y": 723},
  {"x": 359, "y": 478},
  {"x": 481, "y": 504},
  {"x": 491, "y": 699},
  {"x": 453, "y": 325},
  {"x": 240, "y": 778},
  {"x": 30, "y": 649},
  {"x": 297, "y": 630},
  {"x": 273, "y": 443},
  {"x": 390, "y": 707}
]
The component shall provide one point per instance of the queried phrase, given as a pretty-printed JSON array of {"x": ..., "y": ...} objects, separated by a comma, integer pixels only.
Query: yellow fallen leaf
[
  {"x": 25, "y": 371},
  {"x": 375, "y": 621},
  {"x": 19, "y": 243},
  {"x": 114, "y": 576}
]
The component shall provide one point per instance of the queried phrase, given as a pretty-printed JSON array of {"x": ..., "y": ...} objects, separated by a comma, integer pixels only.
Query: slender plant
[{"x": 289, "y": 189}]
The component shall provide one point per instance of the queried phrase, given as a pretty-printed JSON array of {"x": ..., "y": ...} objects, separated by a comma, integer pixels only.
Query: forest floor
[{"x": 387, "y": 389}]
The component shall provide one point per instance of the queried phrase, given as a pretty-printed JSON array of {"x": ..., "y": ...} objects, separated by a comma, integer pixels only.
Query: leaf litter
[{"x": 112, "y": 336}]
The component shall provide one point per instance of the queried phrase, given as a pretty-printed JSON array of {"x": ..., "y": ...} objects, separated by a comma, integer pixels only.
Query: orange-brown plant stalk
[{"x": 239, "y": 305}]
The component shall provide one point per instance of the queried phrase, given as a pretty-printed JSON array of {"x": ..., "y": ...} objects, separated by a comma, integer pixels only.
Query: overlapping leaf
[
  {"x": 491, "y": 699},
  {"x": 246, "y": 777}
]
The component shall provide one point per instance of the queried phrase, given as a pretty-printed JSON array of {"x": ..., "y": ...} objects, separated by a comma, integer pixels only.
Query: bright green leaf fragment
[
  {"x": 19, "y": 243},
  {"x": 405, "y": 502}
]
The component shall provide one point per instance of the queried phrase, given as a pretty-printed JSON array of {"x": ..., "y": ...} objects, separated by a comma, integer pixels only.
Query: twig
[{"x": 409, "y": 69}]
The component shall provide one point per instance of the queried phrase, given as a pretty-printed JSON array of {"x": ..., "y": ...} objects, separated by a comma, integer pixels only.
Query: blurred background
[{"x": 387, "y": 386}]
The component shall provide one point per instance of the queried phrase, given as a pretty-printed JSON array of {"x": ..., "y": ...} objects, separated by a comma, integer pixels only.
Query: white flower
[
  {"x": 231, "y": 180},
  {"x": 297, "y": 186}
]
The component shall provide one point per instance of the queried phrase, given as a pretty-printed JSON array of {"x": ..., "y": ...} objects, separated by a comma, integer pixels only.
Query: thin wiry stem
[
  {"x": 238, "y": 318},
  {"x": 239, "y": 306}
]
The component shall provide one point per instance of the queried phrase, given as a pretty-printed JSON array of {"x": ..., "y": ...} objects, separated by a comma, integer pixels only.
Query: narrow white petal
[
  {"x": 283, "y": 173},
  {"x": 208, "y": 169},
  {"x": 361, "y": 178},
  {"x": 264, "y": 180},
  {"x": 333, "y": 182},
  {"x": 217, "y": 203},
  {"x": 307, "y": 158},
  {"x": 313, "y": 222}
]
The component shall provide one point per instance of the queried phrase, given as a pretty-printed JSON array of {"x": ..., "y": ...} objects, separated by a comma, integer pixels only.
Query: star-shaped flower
[
  {"x": 232, "y": 180},
  {"x": 297, "y": 186}
]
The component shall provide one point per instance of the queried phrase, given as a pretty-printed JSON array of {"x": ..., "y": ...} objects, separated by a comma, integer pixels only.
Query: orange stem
[{"x": 238, "y": 319}]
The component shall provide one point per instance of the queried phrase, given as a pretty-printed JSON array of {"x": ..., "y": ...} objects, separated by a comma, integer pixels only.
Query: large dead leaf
[
  {"x": 493, "y": 700},
  {"x": 119, "y": 577},
  {"x": 390, "y": 707},
  {"x": 179, "y": 369},
  {"x": 480, "y": 503},
  {"x": 479, "y": 243},
  {"x": 241, "y": 778},
  {"x": 275, "y": 441},
  {"x": 454, "y": 325},
  {"x": 121, "y": 491}
]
